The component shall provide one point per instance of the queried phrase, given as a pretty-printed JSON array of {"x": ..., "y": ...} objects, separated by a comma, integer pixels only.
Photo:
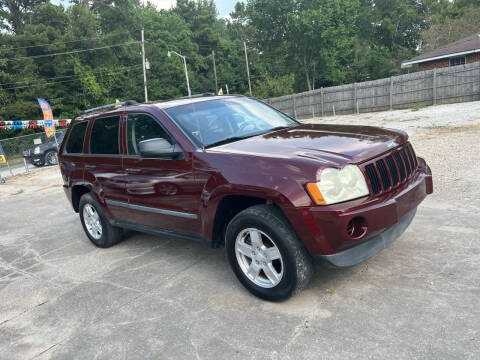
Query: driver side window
[{"x": 143, "y": 127}]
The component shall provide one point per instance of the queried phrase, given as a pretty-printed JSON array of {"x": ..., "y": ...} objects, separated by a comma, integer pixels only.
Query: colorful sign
[
  {"x": 3, "y": 159},
  {"x": 48, "y": 123}
]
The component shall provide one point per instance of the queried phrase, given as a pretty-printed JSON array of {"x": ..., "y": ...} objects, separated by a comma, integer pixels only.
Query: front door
[{"x": 162, "y": 193}]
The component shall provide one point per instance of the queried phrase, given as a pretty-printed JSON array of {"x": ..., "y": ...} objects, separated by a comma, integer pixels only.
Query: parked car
[
  {"x": 45, "y": 153},
  {"x": 232, "y": 171}
]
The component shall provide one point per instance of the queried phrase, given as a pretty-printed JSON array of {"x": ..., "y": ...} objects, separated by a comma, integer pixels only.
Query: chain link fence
[{"x": 26, "y": 153}]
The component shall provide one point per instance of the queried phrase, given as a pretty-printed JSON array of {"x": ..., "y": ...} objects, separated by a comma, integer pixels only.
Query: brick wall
[
  {"x": 473, "y": 57},
  {"x": 429, "y": 65}
]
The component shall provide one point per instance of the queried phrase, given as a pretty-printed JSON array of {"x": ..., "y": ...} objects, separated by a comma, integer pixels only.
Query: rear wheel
[
  {"x": 266, "y": 254},
  {"x": 97, "y": 227},
  {"x": 51, "y": 157}
]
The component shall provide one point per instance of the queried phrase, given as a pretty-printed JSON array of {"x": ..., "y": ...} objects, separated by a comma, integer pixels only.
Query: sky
[{"x": 225, "y": 7}]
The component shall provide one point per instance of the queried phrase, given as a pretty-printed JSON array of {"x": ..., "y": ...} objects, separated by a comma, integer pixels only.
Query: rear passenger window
[
  {"x": 104, "y": 138},
  {"x": 75, "y": 139},
  {"x": 143, "y": 127}
]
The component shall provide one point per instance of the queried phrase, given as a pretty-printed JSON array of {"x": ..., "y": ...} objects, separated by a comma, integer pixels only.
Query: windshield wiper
[
  {"x": 277, "y": 128},
  {"x": 237, "y": 138},
  {"x": 229, "y": 140}
]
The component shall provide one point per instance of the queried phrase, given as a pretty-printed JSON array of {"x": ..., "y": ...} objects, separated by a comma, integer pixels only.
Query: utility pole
[
  {"x": 215, "y": 72},
  {"x": 248, "y": 70},
  {"x": 144, "y": 69}
]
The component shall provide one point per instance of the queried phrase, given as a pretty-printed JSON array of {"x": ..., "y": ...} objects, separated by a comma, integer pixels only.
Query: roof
[
  {"x": 159, "y": 104},
  {"x": 186, "y": 101},
  {"x": 468, "y": 45}
]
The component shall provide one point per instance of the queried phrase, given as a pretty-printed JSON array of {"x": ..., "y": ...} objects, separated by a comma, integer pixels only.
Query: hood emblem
[{"x": 392, "y": 144}]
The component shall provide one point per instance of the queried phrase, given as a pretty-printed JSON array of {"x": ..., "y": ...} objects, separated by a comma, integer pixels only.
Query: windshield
[{"x": 213, "y": 122}]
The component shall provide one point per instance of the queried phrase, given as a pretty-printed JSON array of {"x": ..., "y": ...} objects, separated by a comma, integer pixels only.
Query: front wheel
[
  {"x": 51, "y": 157},
  {"x": 266, "y": 254},
  {"x": 97, "y": 227}
]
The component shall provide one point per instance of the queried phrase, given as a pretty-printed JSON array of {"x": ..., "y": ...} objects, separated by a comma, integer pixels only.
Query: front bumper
[
  {"x": 37, "y": 159},
  {"x": 373, "y": 246},
  {"x": 324, "y": 229}
]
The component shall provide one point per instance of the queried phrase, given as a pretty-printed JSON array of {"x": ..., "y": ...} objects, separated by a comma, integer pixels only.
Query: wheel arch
[
  {"x": 77, "y": 192},
  {"x": 230, "y": 205}
]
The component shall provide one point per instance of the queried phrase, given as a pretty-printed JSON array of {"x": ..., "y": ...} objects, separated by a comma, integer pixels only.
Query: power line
[
  {"x": 61, "y": 42},
  {"x": 85, "y": 94},
  {"x": 71, "y": 52},
  {"x": 68, "y": 76},
  {"x": 52, "y": 82}
]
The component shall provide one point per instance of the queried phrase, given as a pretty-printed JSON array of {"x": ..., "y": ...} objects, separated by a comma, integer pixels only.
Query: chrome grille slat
[
  {"x": 383, "y": 174},
  {"x": 393, "y": 170},
  {"x": 372, "y": 175},
  {"x": 400, "y": 165}
]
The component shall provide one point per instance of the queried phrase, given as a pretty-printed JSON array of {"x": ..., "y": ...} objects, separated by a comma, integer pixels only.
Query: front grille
[{"x": 391, "y": 170}]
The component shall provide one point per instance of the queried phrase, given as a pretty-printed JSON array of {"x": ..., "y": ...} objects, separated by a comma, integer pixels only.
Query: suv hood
[{"x": 334, "y": 145}]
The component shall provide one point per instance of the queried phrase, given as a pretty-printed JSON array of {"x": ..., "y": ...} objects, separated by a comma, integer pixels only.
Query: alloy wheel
[
  {"x": 52, "y": 158},
  {"x": 92, "y": 221},
  {"x": 259, "y": 258}
]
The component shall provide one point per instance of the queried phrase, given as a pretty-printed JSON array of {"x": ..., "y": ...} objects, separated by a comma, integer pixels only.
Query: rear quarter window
[
  {"x": 75, "y": 139},
  {"x": 104, "y": 138}
]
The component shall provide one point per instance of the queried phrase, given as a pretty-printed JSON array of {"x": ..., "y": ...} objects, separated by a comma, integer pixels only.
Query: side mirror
[{"x": 159, "y": 148}]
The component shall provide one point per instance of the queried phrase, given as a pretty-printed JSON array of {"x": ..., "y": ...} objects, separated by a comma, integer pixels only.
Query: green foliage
[
  {"x": 271, "y": 87},
  {"x": 454, "y": 21},
  {"x": 418, "y": 107},
  {"x": 293, "y": 46}
]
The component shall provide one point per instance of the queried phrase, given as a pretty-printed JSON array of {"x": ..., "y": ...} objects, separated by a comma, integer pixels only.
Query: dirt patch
[{"x": 44, "y": 179}]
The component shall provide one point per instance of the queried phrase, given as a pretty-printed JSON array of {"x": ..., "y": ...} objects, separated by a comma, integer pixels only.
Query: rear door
[
  {"x": 103, "y": 165},
  {"x": 161, "y": 192},
  {"x": 72, "y": 159}
]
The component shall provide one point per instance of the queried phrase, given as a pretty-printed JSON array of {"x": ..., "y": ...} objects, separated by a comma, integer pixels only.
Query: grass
[{"x": 418, "y": 107}]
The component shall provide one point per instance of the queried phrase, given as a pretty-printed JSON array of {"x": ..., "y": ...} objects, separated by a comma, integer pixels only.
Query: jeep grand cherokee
[{"x": 232, "y": 171}]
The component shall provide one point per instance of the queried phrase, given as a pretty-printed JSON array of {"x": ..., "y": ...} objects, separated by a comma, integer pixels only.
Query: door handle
[{"x": 133, "y": 171}]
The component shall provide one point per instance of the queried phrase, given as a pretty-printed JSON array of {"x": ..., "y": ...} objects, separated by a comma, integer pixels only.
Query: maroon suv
[{"x": 232, "y": 171}]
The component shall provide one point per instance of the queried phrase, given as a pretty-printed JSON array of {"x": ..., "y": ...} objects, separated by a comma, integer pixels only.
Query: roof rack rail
[
  {"x": 197, "y": 95},
  {"x": 121, "y": 103}
]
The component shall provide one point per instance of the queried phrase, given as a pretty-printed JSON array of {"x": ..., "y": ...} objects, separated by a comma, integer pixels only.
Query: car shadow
[{"x": 324, "y": 278}]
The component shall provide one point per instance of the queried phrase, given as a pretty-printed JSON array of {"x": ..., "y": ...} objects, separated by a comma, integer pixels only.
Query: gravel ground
[{"x": 161, "y": 298}]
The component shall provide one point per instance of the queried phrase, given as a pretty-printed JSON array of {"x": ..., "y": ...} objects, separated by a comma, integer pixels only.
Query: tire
[
  {"x": 51, "y": 157},
  {"x": 108, "y": 235},
  {"x": 293, "y": 269}
]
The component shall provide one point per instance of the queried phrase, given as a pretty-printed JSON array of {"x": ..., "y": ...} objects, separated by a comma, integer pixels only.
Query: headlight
[
  {"x": 36, "y": 150},
  {"x": 338, "y": 185}
]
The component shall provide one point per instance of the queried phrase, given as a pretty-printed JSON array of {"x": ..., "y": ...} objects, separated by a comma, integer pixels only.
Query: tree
[
  {"x": 457, "y": 23},
  {"x": 14, "y": 12},
  {"x": 307, "y": 34}
]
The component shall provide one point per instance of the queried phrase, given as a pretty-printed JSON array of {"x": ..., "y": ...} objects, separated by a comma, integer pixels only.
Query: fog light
[{"x": 357, "y": 227}]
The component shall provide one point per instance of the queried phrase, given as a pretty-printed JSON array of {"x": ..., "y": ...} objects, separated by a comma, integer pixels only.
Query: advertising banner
[{"x": 48, "y": 123}]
